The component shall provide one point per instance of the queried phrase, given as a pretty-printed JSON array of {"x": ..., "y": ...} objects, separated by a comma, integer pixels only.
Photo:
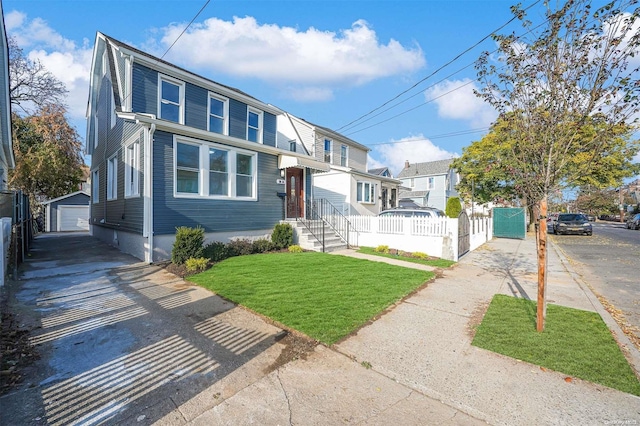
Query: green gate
[{"x": 509, "y": 222}]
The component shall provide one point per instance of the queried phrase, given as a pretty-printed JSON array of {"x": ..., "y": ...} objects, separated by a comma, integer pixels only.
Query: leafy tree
[
  {"x": 599, "y": 201},
  {"x": 31, "y": 86},
  {"x": 453, "y": 207},
  {"x": 47, "y": 153},
  {"x": 575, "y": 72}
]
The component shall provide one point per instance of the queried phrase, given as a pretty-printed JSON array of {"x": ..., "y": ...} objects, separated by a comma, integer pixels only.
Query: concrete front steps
[{"x": 303, "y": 237}]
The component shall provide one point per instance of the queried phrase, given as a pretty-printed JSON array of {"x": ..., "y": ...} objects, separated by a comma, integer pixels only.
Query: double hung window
[{"x": 171, "y": 99}]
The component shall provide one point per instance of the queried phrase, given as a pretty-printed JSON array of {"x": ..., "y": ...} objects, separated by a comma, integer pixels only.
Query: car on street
[
  {"x": 413, "y": 212},
  {"x": 633, "y": 221},
  {"x": 572, "y": 223}
]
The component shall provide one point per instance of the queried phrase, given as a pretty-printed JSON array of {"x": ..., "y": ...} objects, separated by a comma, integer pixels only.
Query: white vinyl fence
[{"x": 434, "y": 236}]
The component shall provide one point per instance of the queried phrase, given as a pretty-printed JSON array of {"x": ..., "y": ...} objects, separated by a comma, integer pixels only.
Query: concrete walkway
[{"x": 416, "y": 365}]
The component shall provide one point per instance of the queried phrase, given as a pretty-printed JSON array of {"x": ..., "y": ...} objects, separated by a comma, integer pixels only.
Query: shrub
[
  {"x": 239, "y": 247},
  {"x": 216, "y": 251},
  {"x": 196, "y": 264},
  {"x": 295, "y": 249},
  {"x": 262, "y": 245},
  {"x": 453, "y": 207},
  {"x": 282, "y": 236},
  {"x": 188, "y": 244},
  {"x": 381, "y": 249},
  {"x": 420, "y": 255}
]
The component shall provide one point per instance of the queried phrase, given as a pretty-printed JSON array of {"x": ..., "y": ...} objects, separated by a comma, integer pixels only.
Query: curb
[{"x": 628, "y": 348}]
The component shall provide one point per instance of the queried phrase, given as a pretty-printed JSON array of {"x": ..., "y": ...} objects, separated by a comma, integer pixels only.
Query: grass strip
[
  {"x": 574, "y": 342},
  {"x": 435, "y": 262},
  {"x": 325, "y": 296}
]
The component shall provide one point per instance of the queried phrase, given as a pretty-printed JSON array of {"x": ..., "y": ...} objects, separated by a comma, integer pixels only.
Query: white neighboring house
[
  {"x": 429, "y": 184},
  {"x": 347, "y": 185}
]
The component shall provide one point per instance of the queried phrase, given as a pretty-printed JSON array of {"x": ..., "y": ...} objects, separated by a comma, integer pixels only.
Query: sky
[{"x": 328, "y": 62}]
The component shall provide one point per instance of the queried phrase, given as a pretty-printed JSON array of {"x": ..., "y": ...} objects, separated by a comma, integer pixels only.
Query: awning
[{"x": 286, "y": 161}]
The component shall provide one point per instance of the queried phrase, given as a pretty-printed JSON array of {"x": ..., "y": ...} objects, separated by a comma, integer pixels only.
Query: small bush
[
  {"x": 295, "y": 249},
  {"x": 453, "y": 207},
  {"x": 196, "y": 264},
  {"x": 239, "y": 247},
  {"x": 188, "y": 244},
  {"x": 282, "y": 236},
  {"x": 420, "y": 255},
  {"x": 262, "y": 245},
  {"x": 381, "y": 249},
  {"x": 216, "y": 251}
]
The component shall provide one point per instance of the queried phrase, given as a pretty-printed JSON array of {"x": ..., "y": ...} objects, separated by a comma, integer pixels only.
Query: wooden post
[{"x": 542, "y": 265}]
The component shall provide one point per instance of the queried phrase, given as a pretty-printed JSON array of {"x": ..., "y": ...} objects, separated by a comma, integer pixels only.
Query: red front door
[{"x": 295, "y": 193}]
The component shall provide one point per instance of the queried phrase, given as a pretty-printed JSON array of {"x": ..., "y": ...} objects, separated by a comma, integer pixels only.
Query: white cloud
[
  {"x": 415, "y": 149},
  {"x": 315, "y": 61},
  {"x": 67, "y": 61},
  {"x": 455, "y": 99}
]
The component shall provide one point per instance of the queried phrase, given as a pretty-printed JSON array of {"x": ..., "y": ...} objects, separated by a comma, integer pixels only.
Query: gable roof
[
  {"x": 439, "y": 167},
  {"x": 334, "y": 134},
  {"x": 66, "y": 196},
  {"x": 380, "y": 171}
]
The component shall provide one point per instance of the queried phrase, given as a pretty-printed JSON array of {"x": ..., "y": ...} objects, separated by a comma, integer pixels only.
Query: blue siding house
[{"x": 170, "y": 148}]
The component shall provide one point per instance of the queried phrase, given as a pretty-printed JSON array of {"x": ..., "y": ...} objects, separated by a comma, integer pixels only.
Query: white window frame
[
  {"x": 293, "y": 146},
  {"x": 260, "y": 115},
  {"x": 112, "y": 178},
  {"x": 112, "y": 107},
  {"x": 95, "y": 130},
  {"x": 95, "y": 186},
  {"x": 105, "y": 63},
  {"x": 431, "y": 183},
  {"x": 325, "y": 152},
  {"x": 203, "y": 171},
  {"x": 225, "y": 112},
  {"x": 132, "y": 168},
  {"x": 181, "y": 86},
  {"x": 364, "y": 190},
  {"x": 345, "y": 157}
]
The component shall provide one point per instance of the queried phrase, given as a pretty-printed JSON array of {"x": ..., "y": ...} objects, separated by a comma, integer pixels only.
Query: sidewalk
[{"x": 416, "y": 365}]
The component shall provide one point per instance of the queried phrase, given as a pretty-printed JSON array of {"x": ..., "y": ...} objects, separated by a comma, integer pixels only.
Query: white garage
[{"x": 68, "y": 213}]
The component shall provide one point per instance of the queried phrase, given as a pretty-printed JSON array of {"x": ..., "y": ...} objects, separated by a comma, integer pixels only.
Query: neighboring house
[
  {"x": 170, "y": 148},
  {"x": 68, "y": 213},
  {"x": 7, "y": 161},
  {"x": 347, "y": 184},
  {"x": 429, "y": 184}
]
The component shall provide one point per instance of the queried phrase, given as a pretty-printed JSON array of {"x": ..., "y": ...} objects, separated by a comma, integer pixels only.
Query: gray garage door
[{"x": 73, "y": 218}]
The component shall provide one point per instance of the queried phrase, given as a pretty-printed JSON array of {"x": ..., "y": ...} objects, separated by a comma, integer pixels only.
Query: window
[
  {"x": 218, "y": 172},
  {"x": 95, "y": 187},
  {"x": 366, "y": 192},
  {"x": 131, "y": 169},
  {"x": 413, "y": 183},
  {"x": 187, "y": 168},
  {"x": 171, "y": 99},
  {"x": 218, "y": 113},
  {"x": 254, "y": 125},
  {"x": 112, "y": 178},
  {"x": 112, "y": 108},
  {"x": 95, "y": 129},
  {"x": 327, "y": 150},
  {"x": 105, "y": 63},
  {"x": 227, "y": 172},
  {"x": 292, "y": 146},
  {"x": 431, "y": 183},
  {"x": 343, "y": 155}
]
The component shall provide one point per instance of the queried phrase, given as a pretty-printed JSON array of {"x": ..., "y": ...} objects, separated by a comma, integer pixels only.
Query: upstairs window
[
  {"x": 292, "y": 146},
  {"x": 218, "y": 113},
  {"x": 327, "y": 151},
  {"x": 171, "y": 100},
  {"x": 431, "y": 183},
  {"x": 254, "y": 125},
  {"x": 343, "y": 155},
  {"x": 112, "y": 178}
]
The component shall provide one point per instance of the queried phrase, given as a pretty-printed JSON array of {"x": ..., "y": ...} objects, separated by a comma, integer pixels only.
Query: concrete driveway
[{"x": 121, "y": 341}]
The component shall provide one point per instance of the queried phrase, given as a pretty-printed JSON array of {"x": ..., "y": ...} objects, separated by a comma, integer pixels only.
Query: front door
[{"x": 295, "y": 193}]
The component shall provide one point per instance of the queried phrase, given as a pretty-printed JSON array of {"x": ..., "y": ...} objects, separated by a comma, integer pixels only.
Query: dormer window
[
  {"x": 171, "y": 100},
  {"x": 218, "y": 113},
  {"x": 254, "y": 125}
]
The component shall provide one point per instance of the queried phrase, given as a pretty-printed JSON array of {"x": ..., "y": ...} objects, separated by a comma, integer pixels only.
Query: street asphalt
[{"x": 129, "y": 343}]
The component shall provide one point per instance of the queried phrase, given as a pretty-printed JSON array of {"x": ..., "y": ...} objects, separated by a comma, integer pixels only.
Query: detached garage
[{"x": 68, "y": 213}]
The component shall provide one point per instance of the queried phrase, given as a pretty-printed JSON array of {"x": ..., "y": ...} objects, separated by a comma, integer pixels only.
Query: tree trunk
[{"x": 542, "y": 265}]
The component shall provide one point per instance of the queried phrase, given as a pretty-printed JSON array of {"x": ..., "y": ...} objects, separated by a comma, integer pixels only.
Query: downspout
[{"x": 149, "y": 187}]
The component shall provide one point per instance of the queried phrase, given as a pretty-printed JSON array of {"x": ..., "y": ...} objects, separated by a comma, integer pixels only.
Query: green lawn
[
  {"x": 574, "y": 342},
  {"x": 435, "y": 262},
  {"x": 324, "y": 296}
]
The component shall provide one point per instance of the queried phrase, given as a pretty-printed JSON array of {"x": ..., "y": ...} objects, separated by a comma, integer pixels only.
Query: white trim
[
  {"x": 67, "y": 208},
  {"x": 147, "y": 224},
  {"x": 95, "y": 186},
  {"x": 47, "y": 226},
  {"x": 127, "y": 86},
  {"x": 259, "y": 129},
  {"x": 112, "y": 107},
  {"x": 66, "y": 196},
  {"x": 203, "y": 170},
  {"x": 225, "y": 112},
  {"x": 286, "y": 161},
  {"x": 112, "y": 178},
  {"x": 324, "y": 150},
  {"x": 181, "y": 97},
  {"x": 346, "y": 155},
  {"x": 372, "y": 192},
  {"x": 132, "y": 166}
]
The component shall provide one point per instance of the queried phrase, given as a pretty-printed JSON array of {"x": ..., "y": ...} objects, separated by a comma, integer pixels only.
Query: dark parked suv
[{"x": 572, "y": 223}]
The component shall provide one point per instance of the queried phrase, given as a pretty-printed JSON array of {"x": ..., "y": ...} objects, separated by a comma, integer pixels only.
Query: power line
[
  {"x": 428, "y": 138},
  {"x": 436, "y": 71}
]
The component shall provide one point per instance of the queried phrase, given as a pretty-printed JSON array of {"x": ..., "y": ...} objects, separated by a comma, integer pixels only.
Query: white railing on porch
[{"x": 433, "y": 236}]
